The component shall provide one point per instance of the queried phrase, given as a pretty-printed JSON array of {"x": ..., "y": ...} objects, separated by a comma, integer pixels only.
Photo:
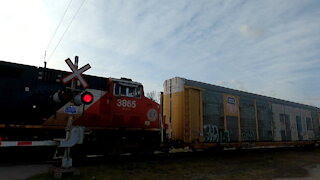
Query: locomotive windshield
[{"x": 129, "y": 90}]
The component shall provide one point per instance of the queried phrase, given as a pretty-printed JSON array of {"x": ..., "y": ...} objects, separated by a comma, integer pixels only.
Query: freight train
[{"x": 35, "y": 105}]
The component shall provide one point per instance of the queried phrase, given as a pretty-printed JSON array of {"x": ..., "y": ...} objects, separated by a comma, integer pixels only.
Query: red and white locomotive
[
  {"x": 121, "y": 105},
  {"x": 117, "y": 115}
]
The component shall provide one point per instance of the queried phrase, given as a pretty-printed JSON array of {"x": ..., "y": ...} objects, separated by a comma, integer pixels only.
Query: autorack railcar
[{"x": 204, "y": 115}]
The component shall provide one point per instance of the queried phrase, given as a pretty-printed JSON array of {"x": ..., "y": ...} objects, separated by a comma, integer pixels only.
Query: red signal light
[{"x": 87, "y": 98}]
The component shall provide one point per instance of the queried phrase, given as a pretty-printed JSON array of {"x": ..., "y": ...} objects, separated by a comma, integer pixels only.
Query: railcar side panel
[{"x": 230, "y": 116}]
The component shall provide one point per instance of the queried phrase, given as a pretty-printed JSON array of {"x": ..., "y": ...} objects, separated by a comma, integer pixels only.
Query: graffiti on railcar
[
  {"x": 248, "y": 134},
  {"x": 213, "y": 134}
]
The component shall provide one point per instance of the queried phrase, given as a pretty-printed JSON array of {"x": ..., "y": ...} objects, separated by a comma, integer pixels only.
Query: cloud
[
  {"x": 250, "y": 31},
  {"x": 23, "y": 31},
  {"x": 200, "y": 40},
  {"x": 267, "y": 47}
]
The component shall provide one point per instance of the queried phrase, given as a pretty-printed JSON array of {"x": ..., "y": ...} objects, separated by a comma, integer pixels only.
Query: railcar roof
[{"x": 240, "y": 93}]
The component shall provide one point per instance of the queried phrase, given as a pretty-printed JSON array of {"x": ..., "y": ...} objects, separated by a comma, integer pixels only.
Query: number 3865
[{"x": 126, "y": 103}]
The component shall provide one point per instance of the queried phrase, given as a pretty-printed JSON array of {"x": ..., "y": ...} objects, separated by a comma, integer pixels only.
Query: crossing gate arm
[
  {"x": 27, "y": 143},
  {"x": 75, "y": 136}
]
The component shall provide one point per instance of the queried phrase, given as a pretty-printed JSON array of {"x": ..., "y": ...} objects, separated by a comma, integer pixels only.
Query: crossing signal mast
[
  {"x": 76, "y": 98},
  {"x": 74, "y": 134}
]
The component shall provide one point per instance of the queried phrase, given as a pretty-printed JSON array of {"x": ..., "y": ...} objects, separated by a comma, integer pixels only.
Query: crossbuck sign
[{"x": 76, "y": 73}]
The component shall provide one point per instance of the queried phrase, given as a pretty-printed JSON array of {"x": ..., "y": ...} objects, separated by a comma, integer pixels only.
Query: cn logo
[{"x": 152, "y": 114}]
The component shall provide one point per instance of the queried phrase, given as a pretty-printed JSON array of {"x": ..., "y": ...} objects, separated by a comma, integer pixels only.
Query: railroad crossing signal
[
  {"x": 84, "y": 98},
  {"x": 76, "y": 73}
]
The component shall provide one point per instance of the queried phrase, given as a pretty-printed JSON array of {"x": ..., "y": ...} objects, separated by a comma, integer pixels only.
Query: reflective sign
[{"x": 71, "y": 110}]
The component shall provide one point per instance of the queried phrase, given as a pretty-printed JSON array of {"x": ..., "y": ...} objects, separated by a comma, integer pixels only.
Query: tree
[{"x": 153, "y": 95}]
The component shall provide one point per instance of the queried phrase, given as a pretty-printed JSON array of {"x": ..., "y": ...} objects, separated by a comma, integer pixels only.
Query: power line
[
  {"x": 66, "y": 30},
  {"x": 64, "y": 14},
  {"x": 59, "y": 24}
]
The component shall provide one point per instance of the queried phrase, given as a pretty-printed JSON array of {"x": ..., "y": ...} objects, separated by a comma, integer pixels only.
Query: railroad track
[{"x": 38, "y": 156}]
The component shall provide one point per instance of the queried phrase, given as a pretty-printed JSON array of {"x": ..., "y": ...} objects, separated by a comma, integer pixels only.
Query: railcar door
[
  {"x": 233, "y": 128},
  {"x": 193, "y": 115},
  {"x": 299, "y": 127},
  {"x": 288, "y": 128}
]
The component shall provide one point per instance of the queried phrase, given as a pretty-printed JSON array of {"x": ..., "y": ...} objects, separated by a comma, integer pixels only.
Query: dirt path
[
  {"x": 314, "y": 174},
  {"x": 21, "y": 172}
]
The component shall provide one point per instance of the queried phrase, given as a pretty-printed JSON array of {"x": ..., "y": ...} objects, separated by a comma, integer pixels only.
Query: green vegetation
[{"x": 248, "y": 164}]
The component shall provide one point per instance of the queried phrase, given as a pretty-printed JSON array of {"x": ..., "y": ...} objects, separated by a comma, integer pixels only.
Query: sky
[{"x": 270, "y": 48}]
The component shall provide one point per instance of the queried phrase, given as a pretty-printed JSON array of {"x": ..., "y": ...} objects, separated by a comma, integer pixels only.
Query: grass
[{"x": 248, "y": 164}]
